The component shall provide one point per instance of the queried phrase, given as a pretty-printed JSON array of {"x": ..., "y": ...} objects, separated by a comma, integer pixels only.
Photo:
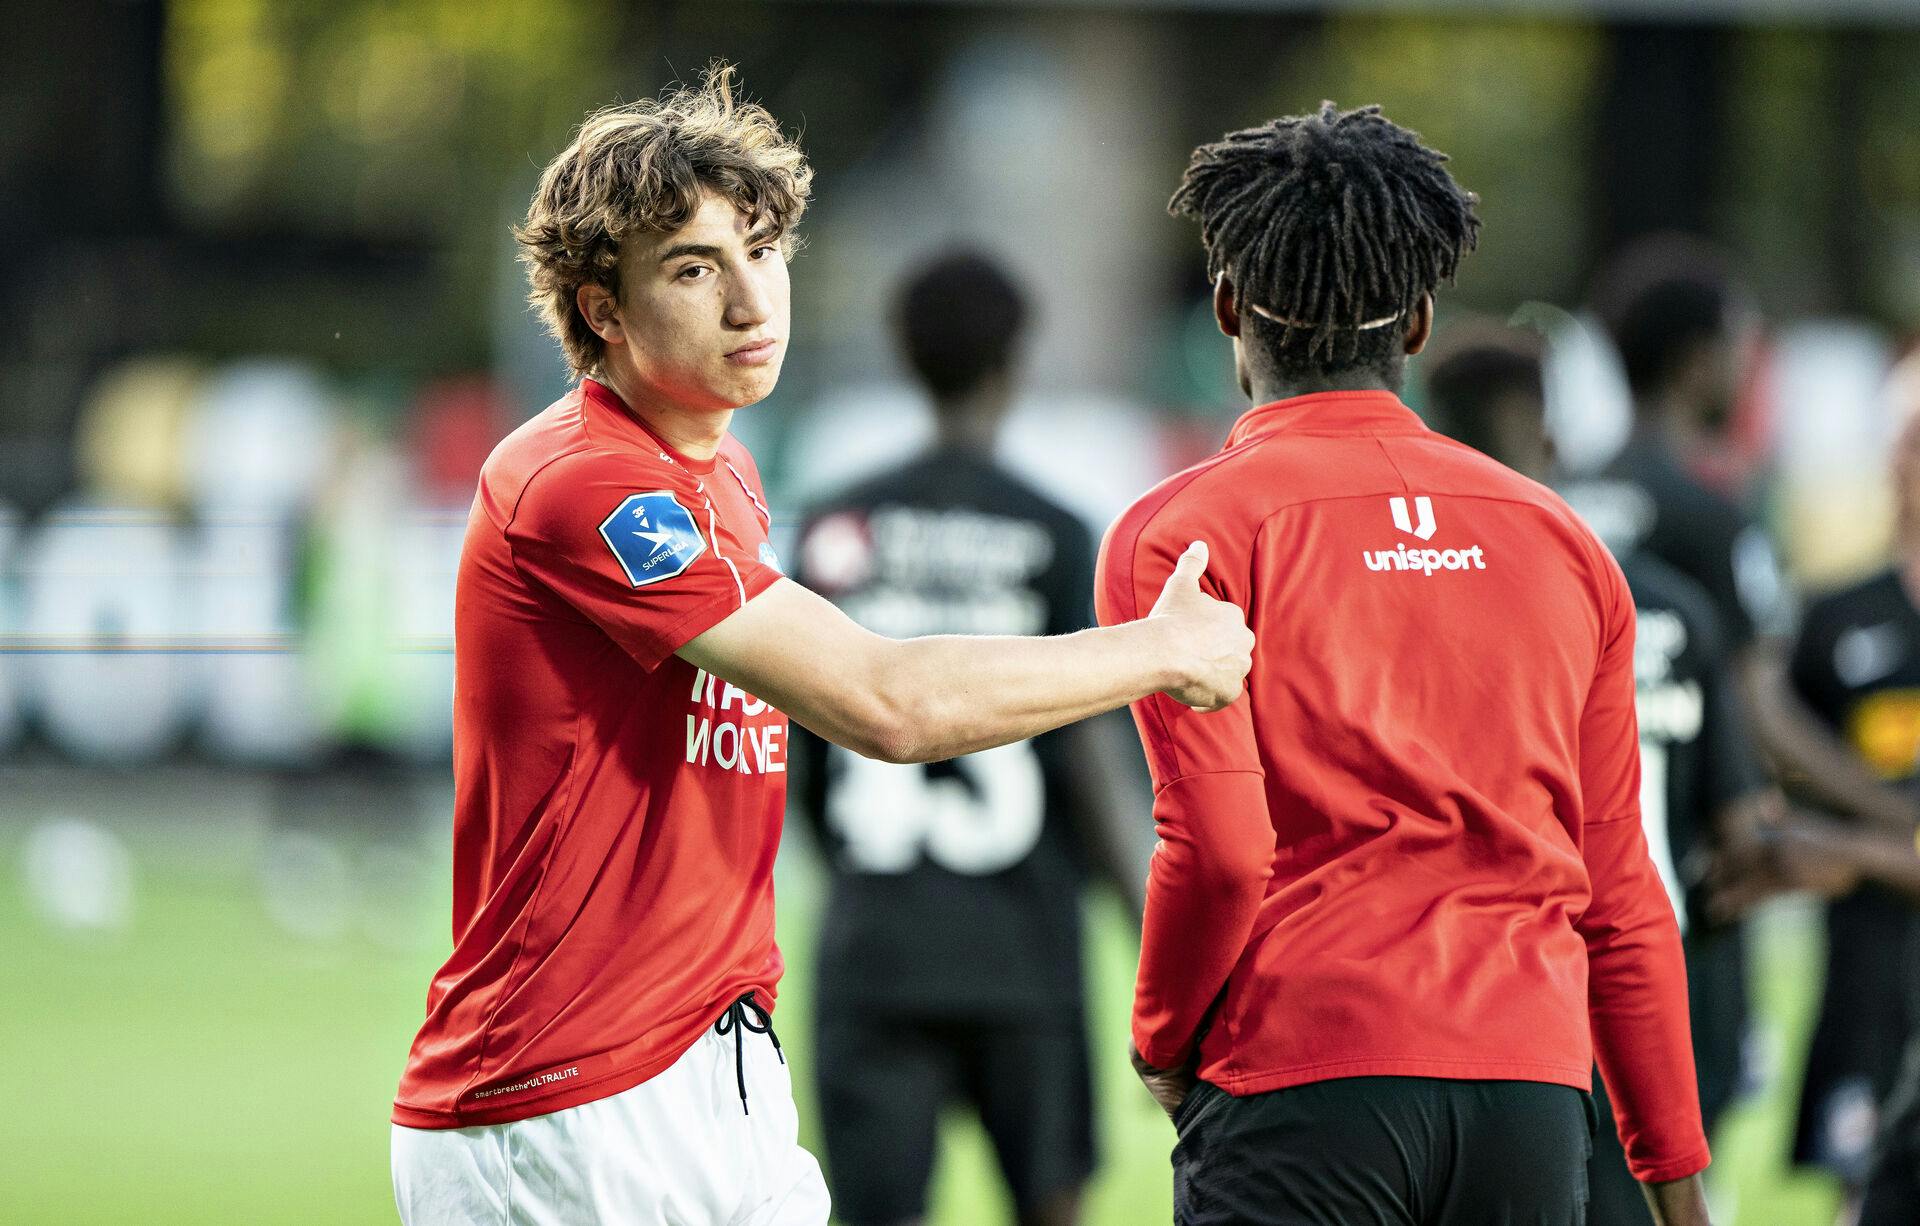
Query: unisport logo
[
  {"x": 1421, "y": 561},
  {"x": 1426, "y": 561},
  {"x": 1422, "y": 504}
]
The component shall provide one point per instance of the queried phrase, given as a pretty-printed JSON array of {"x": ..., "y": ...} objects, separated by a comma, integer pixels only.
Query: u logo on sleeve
[{"x": 652, "y": 536}]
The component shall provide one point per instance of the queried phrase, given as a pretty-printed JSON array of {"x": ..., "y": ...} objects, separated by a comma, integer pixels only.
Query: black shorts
[
  {"x": 1384, "y": 1151},
  {"x": 884, "y": 1080},
  {"x": 1893, "y": 1183},
  {"x": 1865, "y": 1020}
]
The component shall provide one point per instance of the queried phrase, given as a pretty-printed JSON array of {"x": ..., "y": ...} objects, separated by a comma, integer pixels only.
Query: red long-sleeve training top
[{"x": 1414, "y": 847}]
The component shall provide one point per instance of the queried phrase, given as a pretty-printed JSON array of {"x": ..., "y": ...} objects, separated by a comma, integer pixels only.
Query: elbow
[
  {"x": 885, "y": 722},
  {"x": 1241, "y": 878},
  {"x": 1216, "y": 840},
  {"x": 1229, "y": 877},
  {"x": 890, "y": 736},
  {"x": 1644, "y": 932}
]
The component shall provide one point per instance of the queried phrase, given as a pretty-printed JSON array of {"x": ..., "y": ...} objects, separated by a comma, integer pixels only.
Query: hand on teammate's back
[{"x": 1209, "y": 637}]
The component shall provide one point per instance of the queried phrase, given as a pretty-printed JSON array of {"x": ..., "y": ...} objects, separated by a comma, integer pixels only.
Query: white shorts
[{"x": 673, "y": 1151}]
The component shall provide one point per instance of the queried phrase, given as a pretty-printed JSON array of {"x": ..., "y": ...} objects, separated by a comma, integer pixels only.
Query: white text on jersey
[
  {"x": 1425, "y": 561},
  {"x": 750, "y": 748}
]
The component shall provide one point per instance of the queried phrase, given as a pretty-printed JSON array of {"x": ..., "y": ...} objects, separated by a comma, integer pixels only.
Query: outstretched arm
[
  {"x": 709, "y": 601},
  {"x": 928, "y": 699}
]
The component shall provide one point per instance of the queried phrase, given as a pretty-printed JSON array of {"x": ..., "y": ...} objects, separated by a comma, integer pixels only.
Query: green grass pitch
[{"x": 203, "y": 1065}]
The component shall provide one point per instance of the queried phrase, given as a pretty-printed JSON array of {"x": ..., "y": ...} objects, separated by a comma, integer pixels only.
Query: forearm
[
  {"x": 1810, "y": 758},
  {"x": 950, "y": 695},
  {"x": 1887, "y": 860},
  {"x": 1208, "y": 877},
  {"x": 923, "y": 700}
]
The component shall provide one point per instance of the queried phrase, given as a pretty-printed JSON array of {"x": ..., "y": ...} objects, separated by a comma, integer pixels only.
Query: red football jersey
[
  {"x": 616, "y": 811},
  {"x": 1414, "y": 848}
]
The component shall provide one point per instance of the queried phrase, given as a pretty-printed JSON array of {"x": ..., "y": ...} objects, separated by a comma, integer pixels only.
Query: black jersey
[
  {"x": 1644, "y": 501},
  {"x": 1695, "y": 759},
  {"x": 1856, "y": 665},
  {"x": 956, "y": 885},
  {"x": 1695, "y": 756}
]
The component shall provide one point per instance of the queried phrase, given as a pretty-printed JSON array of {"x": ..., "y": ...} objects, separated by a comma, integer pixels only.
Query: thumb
[{"x": 1192, "y": 564}]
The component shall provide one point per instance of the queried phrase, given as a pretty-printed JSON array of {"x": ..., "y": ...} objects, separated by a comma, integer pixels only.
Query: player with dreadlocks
[{"x": 1401, "y": 898}]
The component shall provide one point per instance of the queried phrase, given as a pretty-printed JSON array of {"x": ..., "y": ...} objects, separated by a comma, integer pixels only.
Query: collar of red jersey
[
  {"x": 608, "y": 401},
  {"x": 1365, "y": 412}
]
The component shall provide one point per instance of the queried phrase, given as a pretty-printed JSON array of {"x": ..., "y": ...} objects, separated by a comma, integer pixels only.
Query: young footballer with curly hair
[{"x": 599, "y": 1046}]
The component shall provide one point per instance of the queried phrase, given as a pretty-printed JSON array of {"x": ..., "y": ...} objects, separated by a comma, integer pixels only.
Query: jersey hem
[
  {"x": 1578, "y": 1077},
  {"x": 571, "y": 1093},
  {"x": 606, "y": 1085}
]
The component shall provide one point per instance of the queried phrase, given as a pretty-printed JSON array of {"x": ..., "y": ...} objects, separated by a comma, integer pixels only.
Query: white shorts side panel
[{"x": 673, "y": 1151}]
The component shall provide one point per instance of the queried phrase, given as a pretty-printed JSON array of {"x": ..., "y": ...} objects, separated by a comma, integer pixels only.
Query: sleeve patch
[{"x": 652, "y": 536}]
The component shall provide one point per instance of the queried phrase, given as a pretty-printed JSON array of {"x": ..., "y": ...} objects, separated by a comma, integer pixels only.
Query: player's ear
[
  {"x": 601, "y": 309},
  {"x": 1419, "y": 325},
  {"x": 1226, "y": 310}
]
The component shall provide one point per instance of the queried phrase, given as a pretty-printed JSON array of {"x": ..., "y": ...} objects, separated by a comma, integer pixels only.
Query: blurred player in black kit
[
  {"x": 1698, "y": 769},
  {"x": 950, "y": 961},
  {"x": 1680, "y": 322},
  {"x": 1684, "y": 330},
  {"x": 1856, "y": 667}
]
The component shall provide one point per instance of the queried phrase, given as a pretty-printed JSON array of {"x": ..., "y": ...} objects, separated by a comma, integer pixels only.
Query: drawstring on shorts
[{"x": 743, "y": 1015}]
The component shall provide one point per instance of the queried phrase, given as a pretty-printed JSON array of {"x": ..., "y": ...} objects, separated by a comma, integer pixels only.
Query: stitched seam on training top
[
  {"x": 713, "y": 530},
  {"x": 526, "y": 920},
  {"x": 751, "y": 496}
]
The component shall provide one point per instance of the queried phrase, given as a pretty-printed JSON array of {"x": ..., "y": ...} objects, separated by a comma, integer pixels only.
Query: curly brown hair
[{"x": 639, "y": 168}]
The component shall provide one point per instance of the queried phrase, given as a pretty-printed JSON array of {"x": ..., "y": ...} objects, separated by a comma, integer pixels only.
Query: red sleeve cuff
[
  {"x": 1160, "y": 1055},
  {"x": 754, "y": 579},
  {"x": 1666, "y": 1172}
]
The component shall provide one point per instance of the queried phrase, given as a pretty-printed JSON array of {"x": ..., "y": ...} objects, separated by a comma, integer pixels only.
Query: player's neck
[
  {"x": 970, "y": 421},
  {"x": 694, "y": 433},
  {"x": 967, "y": 431},
  {"x": 1267, "y": 391}
]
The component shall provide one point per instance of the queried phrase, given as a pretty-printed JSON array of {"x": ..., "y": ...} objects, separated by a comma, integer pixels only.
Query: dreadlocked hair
[{"x": 1328, "y": 221}]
